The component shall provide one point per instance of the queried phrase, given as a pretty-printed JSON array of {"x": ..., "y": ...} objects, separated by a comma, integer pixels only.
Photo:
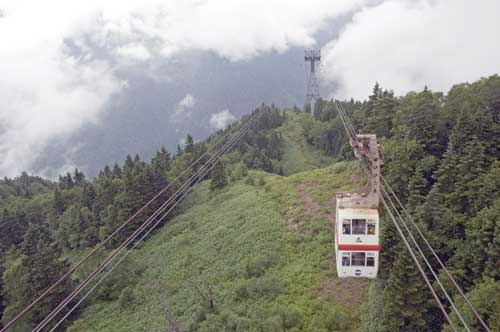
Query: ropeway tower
[{"x": 312, "y": 56}]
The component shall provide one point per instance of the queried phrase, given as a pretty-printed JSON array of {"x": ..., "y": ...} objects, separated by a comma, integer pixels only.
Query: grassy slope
[
  {"x": 265, "y": 252},
  {"x": 299, "y": 155}
]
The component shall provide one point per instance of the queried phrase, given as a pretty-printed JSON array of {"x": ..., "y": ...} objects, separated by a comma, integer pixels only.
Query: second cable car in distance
[{"x": 357, "y": 225}]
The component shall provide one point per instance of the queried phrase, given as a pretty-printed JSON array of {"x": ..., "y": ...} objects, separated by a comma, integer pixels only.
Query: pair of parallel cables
[
  {"x": 395, "y": 209},
  {"x": 208, "y": 159}
]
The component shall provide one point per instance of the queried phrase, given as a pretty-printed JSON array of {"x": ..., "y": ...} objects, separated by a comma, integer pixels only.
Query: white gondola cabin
[
  {"x": 357, "y": 242},
  {"x": 357, "y": 221}
]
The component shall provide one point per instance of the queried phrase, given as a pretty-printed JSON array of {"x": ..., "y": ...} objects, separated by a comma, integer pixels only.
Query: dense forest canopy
[{"x": 441, "y": 154}]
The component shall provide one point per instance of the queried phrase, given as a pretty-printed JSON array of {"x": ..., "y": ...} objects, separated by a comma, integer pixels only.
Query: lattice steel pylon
[{"x": 312, "y": 56}]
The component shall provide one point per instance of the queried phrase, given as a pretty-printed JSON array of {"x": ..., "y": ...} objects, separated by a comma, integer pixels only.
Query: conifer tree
[
  {"x": 189, "y": 145},
  {"x": 405, "y": 302},
  {"x": 471, "y": 165},
  {"x": 38, "y": 266},
  {"x": 483, "y": 234},
  {"x": 57, "y": 202},
  {"x": 89, "y": 228},
  {"x": 423, "y": 122},
  {"x": 439, "y": 221},
  {"x": 389, "y": 240},
  {"x": 161, "y": 162},
  {"x": 88, "y": 195},
  {"x": 379, "y": 112},
  {"x": 12, "y": 228},
  {"x": 79, "y": 177},
  {"x": 116, "y": 172},
  {"x": 417, "y": 189},
  {"x": 400, "y": 158},
  {"x": 129, "y": 164},
  {"x": 218, "y": 176},
  {"x": 486, "y": 188},
  {"x": 492, "y": 268},
  {"x": 66, "y": 181}
]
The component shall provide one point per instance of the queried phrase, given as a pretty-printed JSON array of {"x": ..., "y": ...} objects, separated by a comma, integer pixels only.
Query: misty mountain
[{"x": 149, "y": 114}]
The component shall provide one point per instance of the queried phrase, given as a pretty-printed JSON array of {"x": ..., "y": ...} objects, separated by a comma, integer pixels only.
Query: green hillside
[
  {"x": 251, "y": 249},
  {"x": 299, "y": 155},
  {"x": 264, "y": 251}
]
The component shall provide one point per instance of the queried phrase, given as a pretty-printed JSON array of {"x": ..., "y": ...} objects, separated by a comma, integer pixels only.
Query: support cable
[
  {"x": 419, "y": 249},
  {"x": 130, "y": 250},
  {"x": 350, "y": 134},
  {"x": 107, "y": 239},
  {"x": 107, "y": 261},
  {"x": 417, "y": 263},
  {"x": 441, "y": 264},
  {"x": 350, "y": 131},
  {"x": 127, "y": 242}
]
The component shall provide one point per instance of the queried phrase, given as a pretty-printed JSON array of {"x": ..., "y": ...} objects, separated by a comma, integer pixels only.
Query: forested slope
[
  {"x": 267, "y": 205},
  {"x": 261, "y": 251},
  {"x": 442, "y": 156}
]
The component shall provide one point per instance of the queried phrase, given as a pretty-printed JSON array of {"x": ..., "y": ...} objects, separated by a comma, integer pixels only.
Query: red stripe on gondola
[{"x": 359, "y": 247}]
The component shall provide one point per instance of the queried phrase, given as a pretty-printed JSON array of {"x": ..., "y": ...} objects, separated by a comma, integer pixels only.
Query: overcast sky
[{"x": 62, "y": 62}]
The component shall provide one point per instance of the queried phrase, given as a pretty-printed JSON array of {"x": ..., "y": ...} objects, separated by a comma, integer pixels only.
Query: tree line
[
  {"x": 441, "y": 154},
  {"x": 44, "y": 225},
  {"x": 442, "y": 158}
]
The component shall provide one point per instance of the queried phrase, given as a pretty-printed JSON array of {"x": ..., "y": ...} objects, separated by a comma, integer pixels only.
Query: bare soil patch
[{"x": 350, "y": 292}]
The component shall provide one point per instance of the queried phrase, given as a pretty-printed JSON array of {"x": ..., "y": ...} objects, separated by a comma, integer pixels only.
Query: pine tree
[
  {"x": 483, "y": 234},
  {"x": 161, "y": 162},
  {"x": 379, "y": 112},
  {"x": 23, "y": 187},
  {"x": 12, "y": 229},
  {"x": 38, "y": 266},
  {"x": 79, "y": 177},
  {"x": 88, "y": 195},
  {"x": 116, "y": 172},
  {"x": 89, "y": 228},
  {"x": 389, "y": 240},
  {"x": 57, "y": 202},
  {"x": 110, "y": 222},
  {"x": 486, "y": 188},
  {"x": 417, "y": 189},
  {"x": 218, "y": 176},
  {"x": 68, "y": 228},
  {"x": 160, "y": 166},
  {"x": 66, "y": 181},
  {"x": 405, "y": 298},
  {"x": 129, "y": 164},
  {"x": 400, "y": 158},
  {"x": 423, "y": 121},
  {"x": 189, "y": 145},
  {"x": 448, "y": 174},
  {"x": 440, "y": 222},
  {"x": 471, "y": 165}
]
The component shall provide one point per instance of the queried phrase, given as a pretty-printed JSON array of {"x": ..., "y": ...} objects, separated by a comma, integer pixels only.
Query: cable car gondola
[{"x": 357, "y": 224}]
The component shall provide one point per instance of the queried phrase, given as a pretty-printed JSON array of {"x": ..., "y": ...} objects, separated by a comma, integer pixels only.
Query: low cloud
[
  {"x": 183, "y": 109},
  {"x": 134, "y": 52},
  {"x": 405, "y": 45},
  {"x": 222, "y": 119},
  {"x": 186, "y": 103},
  {"x": 59, "y": 59},
  {"x": 237, "y": 30},
  {"x": 45, "y": 98}
]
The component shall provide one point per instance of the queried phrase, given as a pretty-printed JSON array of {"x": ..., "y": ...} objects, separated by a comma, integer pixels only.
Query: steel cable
[
  {"x": 102, "y": 243},
  {"x": 107, "y": 261},
  {"x": 89, "y": 292},
  {"x": 438, "y": 259},
  {"x": 350, "y": 131}
]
